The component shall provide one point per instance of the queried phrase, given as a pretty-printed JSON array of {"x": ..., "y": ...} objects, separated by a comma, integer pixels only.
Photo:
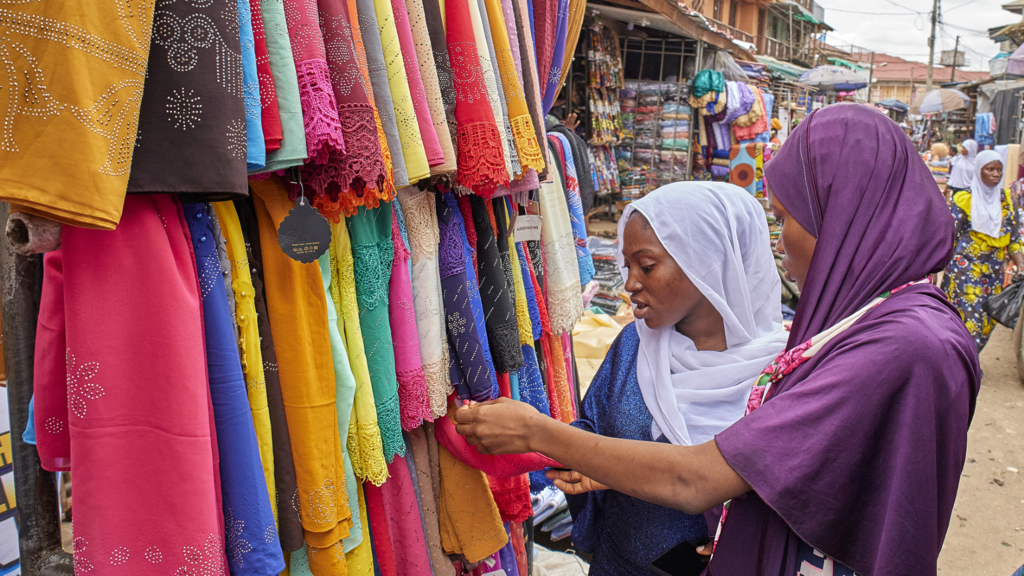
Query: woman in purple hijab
[{"x": 851, "y": 463}]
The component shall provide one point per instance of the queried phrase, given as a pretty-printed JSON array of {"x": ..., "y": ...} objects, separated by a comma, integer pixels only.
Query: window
[
  {"x": 717, "y": 12},
  {"x": 733, "y": 9}
]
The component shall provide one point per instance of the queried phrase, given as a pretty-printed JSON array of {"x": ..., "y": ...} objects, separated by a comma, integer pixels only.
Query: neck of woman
[{"x": 705, "y": 328}]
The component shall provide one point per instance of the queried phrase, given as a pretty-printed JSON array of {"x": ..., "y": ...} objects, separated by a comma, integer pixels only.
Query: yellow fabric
[
  {"x": 530, "y": 155},
  {"x": 415, "y": 154},
  {"x": 470, "y": 521},
  {"x": 522, "y": 306},
  {"x": 984, "y": 241},
  {"x": 360, "y": 558},
  {"x": 298, "y": 318},
  {"x": 593, "y": 335},
  {"x": 1012, "y": 163},
  {"x": 365, "y": 448},
  {"x": 327, "y": 561},
  {"x": 249, "y": 340},
  {"x": 70, "y": 99}
]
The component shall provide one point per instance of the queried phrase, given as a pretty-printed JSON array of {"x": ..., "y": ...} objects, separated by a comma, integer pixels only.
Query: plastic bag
[{"x": 1005, "y": 306}]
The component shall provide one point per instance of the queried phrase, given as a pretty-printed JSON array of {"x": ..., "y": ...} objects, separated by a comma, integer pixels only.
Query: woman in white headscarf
[
  {"x": 987, "y": 234},
  {"x": 696, "y": 259},
  {"x": 962, "y": 172}
]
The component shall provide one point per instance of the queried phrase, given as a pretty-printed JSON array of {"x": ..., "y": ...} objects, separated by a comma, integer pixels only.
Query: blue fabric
[
  {"x": 252, "y": 544},
  {"x": 471, "y": 372},
  {"x": 403, "y": 231},
  {"x": 256, "y": 148},
  {"x": 474, "y": 292},
  {"x": 507, "y": 555},
  {"x": 531, "y": 383},
  {"x": 533, "y": 32},
  {"x": 984, "y": 135},
  {"x": 579, "y": 226},
  {"x": 1019, "y": 572},
  {"x": 29, "y": 435},
  {"x": 625, "y": 534}
]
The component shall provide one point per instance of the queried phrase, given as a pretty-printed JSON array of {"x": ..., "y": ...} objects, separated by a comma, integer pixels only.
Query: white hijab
[
  {"x": 986, "y": 201},
  {"x": 962, "y": 172},
  {"x": 718, "y": 235}
]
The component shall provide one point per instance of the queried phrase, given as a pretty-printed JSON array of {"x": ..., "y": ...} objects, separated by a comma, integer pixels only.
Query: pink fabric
[
  {"x": 402, "y": 522},
  {"x": 383, "y": 549},
  {"x": 435, "y": 156},
  {"x": 545, "y": 24},
  {"x": 140, "y": 417},
  {"x": 270, "y": 115},
  {"x": 319, "y": 108},
  {"x": 413, "y": 400},
  {"x": 512, "y": 496},
  {"x": 49, "y": 383},
  {"x": 503, "y": 466},
  {"x": 570, "y": 374}
]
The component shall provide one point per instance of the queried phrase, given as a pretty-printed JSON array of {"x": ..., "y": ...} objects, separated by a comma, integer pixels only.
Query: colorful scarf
[
  {"x": 435, "y": 156},
  {"x": 286, "y": 89},
  {"x": 584, "y": 261},
  {"x": 430, "y": 67},
  {"x": 492, "y": 79},
  {"x": 270, "y": 118}
]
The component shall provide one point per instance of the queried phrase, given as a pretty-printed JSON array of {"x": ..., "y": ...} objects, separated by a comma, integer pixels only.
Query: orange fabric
[
  {"x": 298, "y": 317},
  {"x": 470, "y": 522},
  {"x": 560, "y": 380}
]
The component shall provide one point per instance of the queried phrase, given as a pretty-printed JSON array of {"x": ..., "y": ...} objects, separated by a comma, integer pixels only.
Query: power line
[
  {"x": 905, "y": 7},
  {"x": 873, "y": 13}
]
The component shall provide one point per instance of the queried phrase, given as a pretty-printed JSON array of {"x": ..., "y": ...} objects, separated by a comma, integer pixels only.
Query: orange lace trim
[{"x": 481, "y": 158}]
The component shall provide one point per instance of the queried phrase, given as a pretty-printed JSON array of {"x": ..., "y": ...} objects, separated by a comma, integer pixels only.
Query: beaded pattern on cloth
[
  {"x": 388, "y": 411},
  {"x": 412, "y": 385},
  {"x": 319, "y": 111}
]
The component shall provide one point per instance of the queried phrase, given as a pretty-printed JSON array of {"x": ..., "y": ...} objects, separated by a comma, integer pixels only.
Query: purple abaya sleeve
[{"x": 872, "y": 430}]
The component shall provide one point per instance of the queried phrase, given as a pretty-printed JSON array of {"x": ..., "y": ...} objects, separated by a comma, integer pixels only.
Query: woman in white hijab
[
  {"x": 962, "y": 173},
  {"x": 696, "y": 259},
  {"x": 987, "y": 234}
]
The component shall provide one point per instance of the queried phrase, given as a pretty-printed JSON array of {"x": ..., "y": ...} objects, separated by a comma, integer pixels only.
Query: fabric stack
[
  {"x": 731, "y": 114},
  {"x": 985, "y": 129},
  {"x": 291, "y": 411}
]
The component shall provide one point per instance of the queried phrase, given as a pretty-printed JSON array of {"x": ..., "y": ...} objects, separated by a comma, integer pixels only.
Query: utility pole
[
  {"x": 956, "y": 53},
  {"x": 871, "y": 74},
  {"x": 931, "y": 45}
]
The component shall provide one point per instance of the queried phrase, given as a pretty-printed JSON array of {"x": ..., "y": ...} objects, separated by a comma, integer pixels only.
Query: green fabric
[
  {"x": 373, "y": 254},
  {"x": 806, "y": 18},
  {"x": 346, "y": 395},
  {"x": 708, "y": 81},
  {"x": 782, "y": 68},
  {"x": 841, "y": 62},
  {"x": 293, "y": 145}
]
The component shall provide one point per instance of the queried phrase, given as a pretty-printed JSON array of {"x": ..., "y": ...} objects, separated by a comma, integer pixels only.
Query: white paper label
[{"x": 528, "y": 228}]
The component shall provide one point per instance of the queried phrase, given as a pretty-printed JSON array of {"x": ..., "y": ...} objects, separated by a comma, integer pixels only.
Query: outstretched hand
[
  {"x": 501, "y": 426},
  {"x": 573, "y": 483}
]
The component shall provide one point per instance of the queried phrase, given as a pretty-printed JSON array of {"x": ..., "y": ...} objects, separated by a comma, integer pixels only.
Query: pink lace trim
[
  {"x": 319, "y": 111},
  {"x": 357, "y": 177},
  {"x": 512, "y": 496},
  {"x": 481, "y": 159},
  {"x": 413, "y": 400}
]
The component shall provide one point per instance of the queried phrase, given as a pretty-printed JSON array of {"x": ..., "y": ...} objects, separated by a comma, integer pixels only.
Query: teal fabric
[
  {"x": 293, "y": 146},
  {"x": 708, "y": 81},
  {"x": 346, "y": 394}
]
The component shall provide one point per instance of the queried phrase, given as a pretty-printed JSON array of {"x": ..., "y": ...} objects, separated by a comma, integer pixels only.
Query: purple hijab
[{"x": 858, "y": 452}]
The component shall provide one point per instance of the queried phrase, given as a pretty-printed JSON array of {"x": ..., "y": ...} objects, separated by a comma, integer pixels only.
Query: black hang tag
[{"x": 304, "y": 234}]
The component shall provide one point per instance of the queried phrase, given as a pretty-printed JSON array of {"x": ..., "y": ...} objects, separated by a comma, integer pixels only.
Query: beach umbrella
[
  {"x": 833, "y": 77},
  {"x": 939, "y": 100},
  {"x": 894, "y": 104}
]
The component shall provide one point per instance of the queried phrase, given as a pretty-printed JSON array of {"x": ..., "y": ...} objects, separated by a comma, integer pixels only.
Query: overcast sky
[{"x": 901, "y": 27}]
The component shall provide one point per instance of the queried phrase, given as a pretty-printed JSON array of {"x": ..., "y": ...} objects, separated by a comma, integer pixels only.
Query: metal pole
[
  {"x": 956, "y": 52},
  {"x": 35, "y": 489},
  {"x": 931, "y": 44},
  {"x": 871, "y": 75}
]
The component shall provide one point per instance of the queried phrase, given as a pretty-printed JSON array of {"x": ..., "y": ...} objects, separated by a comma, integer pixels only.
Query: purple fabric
[
  {"x": 555, "y": 70},
  {"x": 719, "y": 171},
  {"x": 889, "y": 401}
]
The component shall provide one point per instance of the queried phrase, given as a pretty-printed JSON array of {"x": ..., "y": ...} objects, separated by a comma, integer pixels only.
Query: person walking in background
[
  {"x": 962, "y": 172},
  {"x": 987, "y": 234}
]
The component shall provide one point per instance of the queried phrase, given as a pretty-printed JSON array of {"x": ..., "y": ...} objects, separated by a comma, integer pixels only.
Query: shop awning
[
  {"x": 781, "y": 68},
  {"x": 807, "y": 18},
  {"x": 844, "y": 63}
]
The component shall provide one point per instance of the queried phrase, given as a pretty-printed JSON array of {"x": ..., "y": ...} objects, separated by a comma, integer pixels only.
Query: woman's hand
[
  {"x": 500, "y": 426},
  {"x": 573, "y": 483}
]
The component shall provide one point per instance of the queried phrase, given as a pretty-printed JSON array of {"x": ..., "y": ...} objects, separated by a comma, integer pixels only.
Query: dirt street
[{"x": 986, "y": 535}]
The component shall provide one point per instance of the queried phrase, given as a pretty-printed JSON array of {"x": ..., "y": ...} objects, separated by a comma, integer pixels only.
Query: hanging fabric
[
  {"x": 567, "y": 166},
  {"x": 430, "y": 66},
  {"x": 435, "y": 156},
  {"x": 289, "y": 523},
  {"x": 256, "y": 153},
  {"x": 270, "y": 118},
  {"x": 250, "y": 535},
  {"x": 528, "y": 63},
  {"x": 192, "y": 128},
  {"x": 319, "y": 108},
  {"x": 298, "y": 310},
  {"x": 292, "y": 151},
  {"x": 485, "y": 49},
  {"x": 95, "y": 153},
  {"x": 554, "y": 72}
]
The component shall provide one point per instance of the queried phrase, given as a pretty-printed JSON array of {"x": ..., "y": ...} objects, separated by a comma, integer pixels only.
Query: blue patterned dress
[
  {"x": 624, "y": 534},
  {"x": 976, "y": 271}
]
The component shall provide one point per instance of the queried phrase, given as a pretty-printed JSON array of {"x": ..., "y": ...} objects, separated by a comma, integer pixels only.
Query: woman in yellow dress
[{"x": 987, "y": 233}]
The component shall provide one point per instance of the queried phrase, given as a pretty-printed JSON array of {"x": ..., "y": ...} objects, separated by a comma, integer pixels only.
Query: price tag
[
  {"x": 304, "y": 233},
  {"x": 528, "y": 228}
]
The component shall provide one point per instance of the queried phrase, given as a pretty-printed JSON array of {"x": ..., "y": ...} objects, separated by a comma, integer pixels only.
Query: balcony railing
[
  {"x": 774, "y": 48},
  {"x": 736, "y": 33}
]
